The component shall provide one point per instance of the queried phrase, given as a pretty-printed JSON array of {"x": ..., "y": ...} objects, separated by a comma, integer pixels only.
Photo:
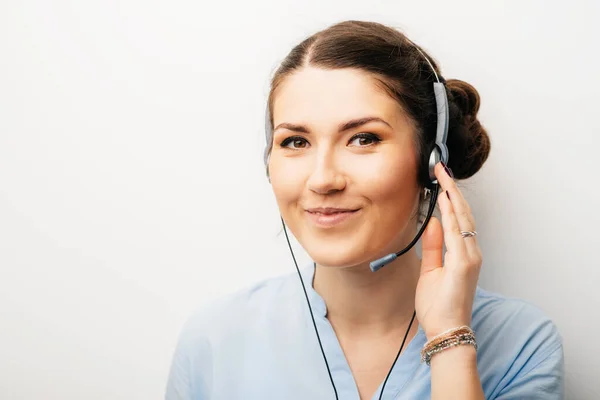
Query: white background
[{"x": 132, "y": 187}]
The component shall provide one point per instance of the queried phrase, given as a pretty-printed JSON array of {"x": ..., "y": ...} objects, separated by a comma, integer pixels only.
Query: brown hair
[{"x": 404, "y": 74}]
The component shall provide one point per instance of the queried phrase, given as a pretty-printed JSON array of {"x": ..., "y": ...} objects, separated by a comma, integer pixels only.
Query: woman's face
[{"x": 346, "y": 188}]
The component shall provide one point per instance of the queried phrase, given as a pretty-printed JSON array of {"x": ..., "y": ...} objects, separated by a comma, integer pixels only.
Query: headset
[{"x": 438, "y": 153}]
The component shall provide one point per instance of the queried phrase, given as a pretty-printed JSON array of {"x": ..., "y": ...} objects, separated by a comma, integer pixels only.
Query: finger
[
  {"x": 462, "y": 210},
  {"x": 432, "y": 245},
  {"x": 455, "y": 243}
]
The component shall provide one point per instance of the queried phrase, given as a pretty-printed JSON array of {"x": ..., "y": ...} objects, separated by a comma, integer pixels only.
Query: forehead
[{"x": 318, "y": 95}]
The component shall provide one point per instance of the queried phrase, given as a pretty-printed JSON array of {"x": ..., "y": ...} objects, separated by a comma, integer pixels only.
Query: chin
[
  {"x": 338, "y": 256},
  {"x": 347, "y": 250}
]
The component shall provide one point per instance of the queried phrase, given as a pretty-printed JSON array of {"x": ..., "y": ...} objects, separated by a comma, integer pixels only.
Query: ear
[
  {"x": 267, "y": 160},
  {"x": 267, "y": 168}
]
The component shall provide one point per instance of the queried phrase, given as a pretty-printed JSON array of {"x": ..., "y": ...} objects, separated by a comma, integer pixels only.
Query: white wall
[{"x": 132, "y": 187}]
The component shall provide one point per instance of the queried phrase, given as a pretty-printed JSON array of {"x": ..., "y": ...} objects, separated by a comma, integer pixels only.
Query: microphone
[{"x": 383, "y": 261}]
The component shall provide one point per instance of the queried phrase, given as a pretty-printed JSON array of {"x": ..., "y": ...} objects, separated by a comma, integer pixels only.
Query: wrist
[
  {"x": 440, "y": 329},
  {"x": 464, "y": 357},
  {"x": 456, "y": 337}
]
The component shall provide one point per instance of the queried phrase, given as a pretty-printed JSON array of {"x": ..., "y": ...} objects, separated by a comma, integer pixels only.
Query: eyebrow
[{"x": 346, "y": 126}]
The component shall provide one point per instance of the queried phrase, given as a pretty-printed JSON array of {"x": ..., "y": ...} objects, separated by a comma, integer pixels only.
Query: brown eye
[
  {"x": 364, "y": 139},
  {"x": 299, "y": 143},
  {"x": 294, "y": 142}
]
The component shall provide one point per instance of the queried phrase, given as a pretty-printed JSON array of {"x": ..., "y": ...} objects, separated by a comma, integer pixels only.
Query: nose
[{"x": 326, "y": 176}]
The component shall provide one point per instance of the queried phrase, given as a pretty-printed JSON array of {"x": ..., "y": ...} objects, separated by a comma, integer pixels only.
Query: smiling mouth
[{"x": 329, "y": 217}]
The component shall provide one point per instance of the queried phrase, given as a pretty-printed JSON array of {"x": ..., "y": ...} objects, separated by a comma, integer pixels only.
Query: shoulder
[
  {"x": 517, "y": 343},
  {"x": 495, "y": 316},
  {"x": 221, "y": 329},
  {"x": 238, "y": 310}
]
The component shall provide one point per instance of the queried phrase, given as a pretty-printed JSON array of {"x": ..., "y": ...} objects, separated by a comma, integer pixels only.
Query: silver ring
[{"x": 468, "y": 233}]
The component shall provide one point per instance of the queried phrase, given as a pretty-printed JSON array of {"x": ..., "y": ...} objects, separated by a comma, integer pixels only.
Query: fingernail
[
  {"x": 448, "y": 170},
  {"x": 448, "y": 194}
]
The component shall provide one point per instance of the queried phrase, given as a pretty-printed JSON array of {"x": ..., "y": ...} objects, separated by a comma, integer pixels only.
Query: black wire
[
  {"x": 434, "y": 195},
  {"x": 398, "y": 355},
  {"x": 311, "y": 311}
]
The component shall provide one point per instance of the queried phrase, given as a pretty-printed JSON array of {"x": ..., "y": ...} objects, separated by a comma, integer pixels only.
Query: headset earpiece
[{"x": 440, "y": 151}]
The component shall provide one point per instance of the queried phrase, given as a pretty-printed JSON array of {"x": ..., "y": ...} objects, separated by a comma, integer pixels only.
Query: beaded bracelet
[{"x": 445, "y": 340}]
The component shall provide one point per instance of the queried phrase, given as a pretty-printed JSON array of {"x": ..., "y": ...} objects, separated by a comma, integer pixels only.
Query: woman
[{"x": 353, "y": 116}]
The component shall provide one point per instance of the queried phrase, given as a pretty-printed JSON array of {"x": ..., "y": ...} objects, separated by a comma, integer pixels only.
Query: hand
[{"x": 445, "y": 291}]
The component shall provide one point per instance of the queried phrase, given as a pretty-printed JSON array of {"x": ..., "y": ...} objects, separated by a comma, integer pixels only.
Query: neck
[{"x": 363, "y": 302}]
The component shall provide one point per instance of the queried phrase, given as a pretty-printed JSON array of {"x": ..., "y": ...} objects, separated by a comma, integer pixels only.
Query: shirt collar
[{"x": 316, "y": 301}]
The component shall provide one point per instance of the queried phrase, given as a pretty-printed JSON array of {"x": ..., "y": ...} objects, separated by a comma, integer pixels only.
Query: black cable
[
  {"x": 397, "y": 355},
  {"x": 310, "y": 309},
  {"x": 434, "y": 195}
]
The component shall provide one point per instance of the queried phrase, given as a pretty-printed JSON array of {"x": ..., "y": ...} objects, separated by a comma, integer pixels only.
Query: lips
[
  {"x": 329, "y": 210},
  {"x": 326, "y": 217}
]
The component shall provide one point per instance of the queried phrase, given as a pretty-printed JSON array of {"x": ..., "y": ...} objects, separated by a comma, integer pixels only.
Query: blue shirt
[{"x": 260, "y": 344}]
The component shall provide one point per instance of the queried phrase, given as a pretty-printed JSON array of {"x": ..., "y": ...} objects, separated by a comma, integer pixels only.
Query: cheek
[
  {"x": 286, "y": 181},
  {"x": 393, "y": 195},
  {"x": 390, "y": 181}
]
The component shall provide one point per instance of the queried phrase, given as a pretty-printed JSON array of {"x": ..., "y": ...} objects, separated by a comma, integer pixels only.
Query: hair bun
[
  {"x": 464, "y": 95},
  {"x": 468, "y": 142}
]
